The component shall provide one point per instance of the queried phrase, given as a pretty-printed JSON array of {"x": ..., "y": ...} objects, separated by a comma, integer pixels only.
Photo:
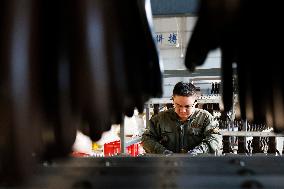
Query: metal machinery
[
  {"x": 67, "y": 64},
  {"x": 178, "y": 171}
]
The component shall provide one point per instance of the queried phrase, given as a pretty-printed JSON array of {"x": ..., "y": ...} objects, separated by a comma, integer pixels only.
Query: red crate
[{"x": 113, "y": 148}]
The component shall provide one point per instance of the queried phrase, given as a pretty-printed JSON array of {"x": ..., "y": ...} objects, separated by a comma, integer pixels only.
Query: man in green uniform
[{"x": 183, "y": 129}]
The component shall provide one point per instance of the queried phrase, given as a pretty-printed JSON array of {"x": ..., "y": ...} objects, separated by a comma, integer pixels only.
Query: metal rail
[
  {"x": 251, "y": 134},
  {"x": 133, "y": 141},
  {"x": 201, "y": 99}
]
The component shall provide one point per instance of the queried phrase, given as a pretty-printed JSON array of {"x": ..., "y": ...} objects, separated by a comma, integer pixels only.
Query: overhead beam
[
  {"x": 174, "y": 7},
  {"x": 215, "y": 72}
]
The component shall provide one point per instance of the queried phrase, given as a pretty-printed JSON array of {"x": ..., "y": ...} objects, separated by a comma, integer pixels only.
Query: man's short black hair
[{"x": 184, "y": 89}]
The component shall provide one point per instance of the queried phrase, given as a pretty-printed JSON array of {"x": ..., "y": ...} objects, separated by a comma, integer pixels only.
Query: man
[{"x": 184, "y": 128}]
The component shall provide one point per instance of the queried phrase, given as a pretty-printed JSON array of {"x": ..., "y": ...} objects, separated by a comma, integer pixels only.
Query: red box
[{"x": 113, "y": 148}]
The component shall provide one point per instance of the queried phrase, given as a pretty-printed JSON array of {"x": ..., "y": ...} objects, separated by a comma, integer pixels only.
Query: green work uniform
[{"x": 166, "y": 132}]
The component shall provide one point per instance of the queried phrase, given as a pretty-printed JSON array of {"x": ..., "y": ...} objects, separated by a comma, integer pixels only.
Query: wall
[{"x": 172, "y": 35}]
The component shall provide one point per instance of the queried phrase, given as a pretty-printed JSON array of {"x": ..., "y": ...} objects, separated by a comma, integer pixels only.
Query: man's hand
[
  {"x": 192, "y": 152},
  {"x": 195, "y": 151},
  {"x": 168, "y": 152}
]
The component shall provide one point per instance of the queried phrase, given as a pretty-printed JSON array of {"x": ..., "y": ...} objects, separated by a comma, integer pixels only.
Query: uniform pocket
[{"x": 167, "y": 137}]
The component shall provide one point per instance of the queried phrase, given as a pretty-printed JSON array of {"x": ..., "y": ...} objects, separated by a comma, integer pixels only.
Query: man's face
[{"x": 184, "y": 106}]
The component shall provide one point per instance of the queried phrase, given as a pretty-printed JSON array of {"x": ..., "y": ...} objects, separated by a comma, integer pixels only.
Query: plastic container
[{"x": 113, "y": 148}]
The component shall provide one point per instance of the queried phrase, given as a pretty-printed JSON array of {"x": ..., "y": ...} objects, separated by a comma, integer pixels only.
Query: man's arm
[
  {"x": 150, "y": 139},
  {"x": 212, "y": 142}
]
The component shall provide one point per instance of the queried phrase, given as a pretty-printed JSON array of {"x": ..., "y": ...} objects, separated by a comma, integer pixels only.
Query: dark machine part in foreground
[
  {"x": 66, "y": 63},
  {"x": 251, "y": 40},
  {"x": 153, "y": 171}
]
